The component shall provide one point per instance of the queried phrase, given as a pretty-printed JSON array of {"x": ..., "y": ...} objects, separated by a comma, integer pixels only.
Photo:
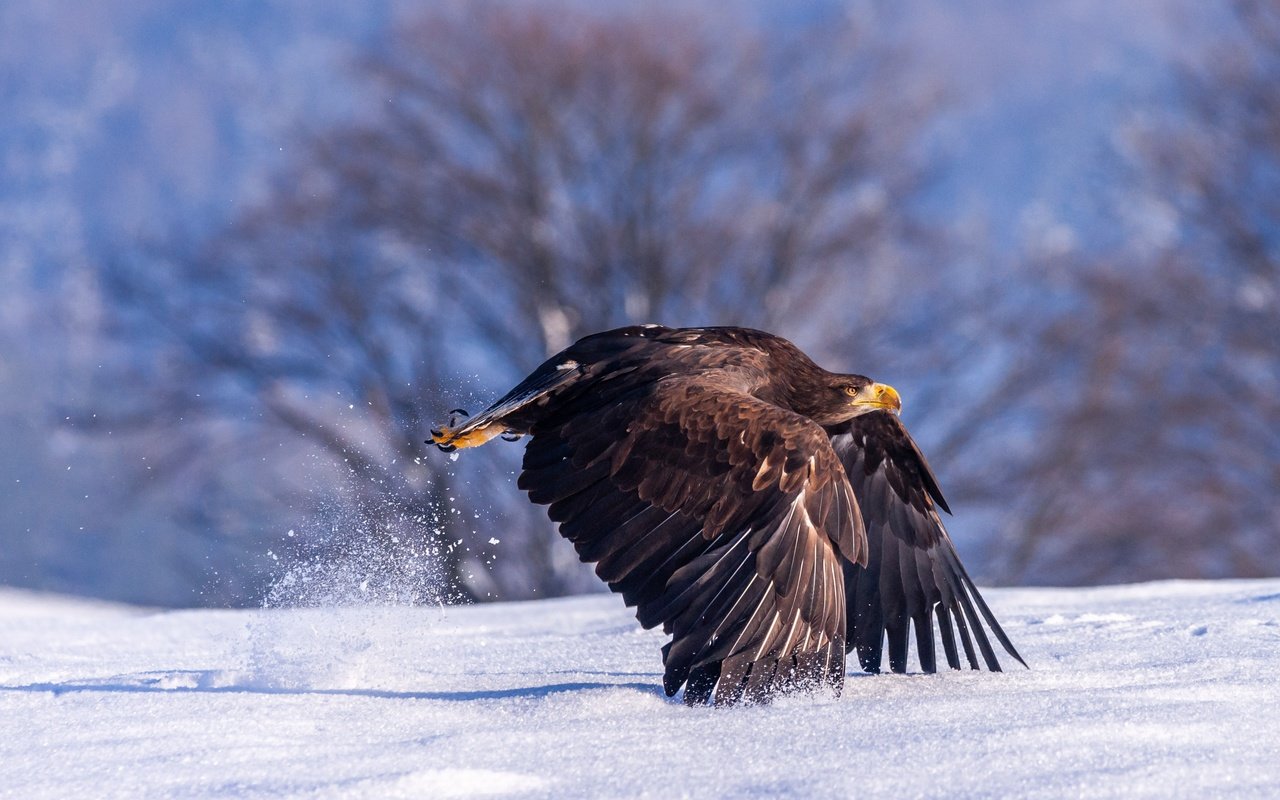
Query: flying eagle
[{"x": 770, "y": 515}]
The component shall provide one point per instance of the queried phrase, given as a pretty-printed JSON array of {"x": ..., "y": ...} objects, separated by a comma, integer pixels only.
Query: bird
[{"x": 770, "y": 515}]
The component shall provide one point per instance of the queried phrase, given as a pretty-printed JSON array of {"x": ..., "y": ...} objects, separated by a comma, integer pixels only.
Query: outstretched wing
[
  {"x": 721, "y": 517},
  {"x": 913, "y": 577}
]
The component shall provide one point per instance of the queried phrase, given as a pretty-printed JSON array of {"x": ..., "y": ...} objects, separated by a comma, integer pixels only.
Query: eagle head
[{"x": 840, "y": 398}]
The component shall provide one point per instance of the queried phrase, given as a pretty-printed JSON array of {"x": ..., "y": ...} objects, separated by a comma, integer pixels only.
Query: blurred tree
[
  {"x": 1144, "y": 412},
  {"x": 528, "y": 174}
]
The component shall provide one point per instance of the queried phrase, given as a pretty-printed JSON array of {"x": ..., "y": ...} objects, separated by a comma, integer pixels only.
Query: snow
[{"x": 1153, "y": 690}]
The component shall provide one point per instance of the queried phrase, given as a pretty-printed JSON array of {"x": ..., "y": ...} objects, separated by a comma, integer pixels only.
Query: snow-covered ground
[{"x": 1156, "y": 690}]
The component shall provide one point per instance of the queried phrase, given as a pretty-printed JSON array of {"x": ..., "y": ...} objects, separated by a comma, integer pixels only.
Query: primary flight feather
[{"x": 770, "y": 515}]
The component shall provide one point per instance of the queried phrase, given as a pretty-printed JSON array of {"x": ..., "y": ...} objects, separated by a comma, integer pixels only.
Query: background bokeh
[{"x": 250, "y": 252}]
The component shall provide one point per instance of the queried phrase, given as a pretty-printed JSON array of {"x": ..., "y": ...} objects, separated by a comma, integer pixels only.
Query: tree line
[{"x": 528, "y": 174}]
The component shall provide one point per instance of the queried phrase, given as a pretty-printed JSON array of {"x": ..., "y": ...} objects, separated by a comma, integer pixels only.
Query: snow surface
[{"x": 1156, "y": 690}]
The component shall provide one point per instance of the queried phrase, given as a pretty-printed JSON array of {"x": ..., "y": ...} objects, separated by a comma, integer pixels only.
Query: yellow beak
[{"x": 879, "y": 396}]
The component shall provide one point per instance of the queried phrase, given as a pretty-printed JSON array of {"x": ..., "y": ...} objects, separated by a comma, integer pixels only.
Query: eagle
[{"x": 770, "y": 515}]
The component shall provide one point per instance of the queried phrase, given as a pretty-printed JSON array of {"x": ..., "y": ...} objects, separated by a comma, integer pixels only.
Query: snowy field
[{"x": 1158, "y": 690}]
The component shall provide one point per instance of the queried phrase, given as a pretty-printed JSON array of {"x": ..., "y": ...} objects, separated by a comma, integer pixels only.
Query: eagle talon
[
  {"x": 511, "y": 436},
  {"x": 440, "y": 437}
]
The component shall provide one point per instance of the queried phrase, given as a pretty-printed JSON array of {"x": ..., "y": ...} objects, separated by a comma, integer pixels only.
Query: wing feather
[
  {"x": 913, "y": 578},
  {"x": 721, "y": 517}
]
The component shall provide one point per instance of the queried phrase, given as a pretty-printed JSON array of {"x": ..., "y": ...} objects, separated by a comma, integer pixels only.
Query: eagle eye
[{"x": 850, "y": 389}]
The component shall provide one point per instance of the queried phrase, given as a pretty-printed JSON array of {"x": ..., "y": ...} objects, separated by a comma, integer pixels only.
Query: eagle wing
[
  {"x": 913, "y": 577},
  {"x": 719, "y": 516}
]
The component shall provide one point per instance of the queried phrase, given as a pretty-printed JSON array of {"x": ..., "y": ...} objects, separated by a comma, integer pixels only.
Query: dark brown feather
[
  {"x": 725, "y": 520},
  {"x": 913, "y": 574},
  {"x": 693, "y": 468}
]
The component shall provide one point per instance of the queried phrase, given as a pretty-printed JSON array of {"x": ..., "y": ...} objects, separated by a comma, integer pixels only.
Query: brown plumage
[{"x": 770, "y": 515}]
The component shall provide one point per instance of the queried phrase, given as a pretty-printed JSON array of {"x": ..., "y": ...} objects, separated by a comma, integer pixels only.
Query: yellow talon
[{"x": 448, "y": 437}]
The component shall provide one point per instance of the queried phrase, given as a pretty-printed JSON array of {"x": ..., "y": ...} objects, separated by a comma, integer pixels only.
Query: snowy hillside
[{"x": 1157, "y": 690}]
